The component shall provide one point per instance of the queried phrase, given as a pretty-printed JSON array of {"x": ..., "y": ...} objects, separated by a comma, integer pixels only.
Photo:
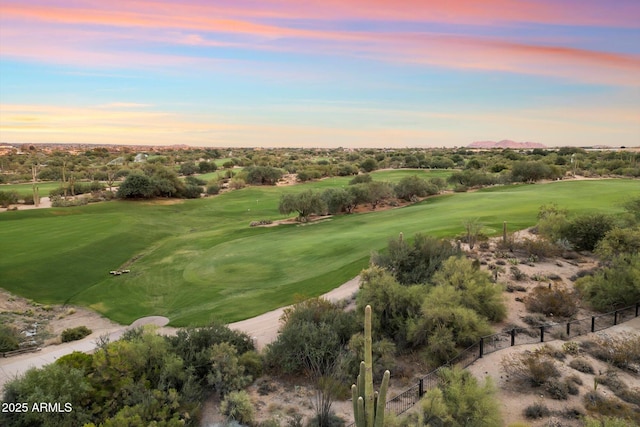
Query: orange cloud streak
[{"x": 204, "y": 24}]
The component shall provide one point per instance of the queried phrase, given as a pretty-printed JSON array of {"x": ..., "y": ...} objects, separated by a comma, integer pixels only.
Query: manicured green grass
[
  {"x": 27, "y": 189},
  {"x": 198, "y": 259}
]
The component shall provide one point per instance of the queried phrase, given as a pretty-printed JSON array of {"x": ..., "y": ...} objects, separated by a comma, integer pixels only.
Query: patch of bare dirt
[{"x": 42, "y": 324}]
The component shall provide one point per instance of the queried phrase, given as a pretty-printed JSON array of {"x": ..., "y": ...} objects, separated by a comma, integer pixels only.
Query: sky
[{"x": 331, "y": 73}]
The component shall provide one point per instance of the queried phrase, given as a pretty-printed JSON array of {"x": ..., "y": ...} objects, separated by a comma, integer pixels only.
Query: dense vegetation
[{"x": 142, "y": 379}]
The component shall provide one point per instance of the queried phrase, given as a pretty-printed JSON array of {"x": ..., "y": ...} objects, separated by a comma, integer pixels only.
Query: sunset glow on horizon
[{"x": 374, "y": 73}]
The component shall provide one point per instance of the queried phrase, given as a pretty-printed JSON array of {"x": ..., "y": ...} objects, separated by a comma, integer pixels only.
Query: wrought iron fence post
[
  {"x": 421, "y": 388},
  {"x": 481, "y": 347},
  {"x": 593, "y": 323},
  {"x": 513, "y": 337},
  {"x": 541, "y": 333},
  {"x": 568, "y": 329},
  {"x": 615, "y": 318},
  {"x": 637, "y": 307}
]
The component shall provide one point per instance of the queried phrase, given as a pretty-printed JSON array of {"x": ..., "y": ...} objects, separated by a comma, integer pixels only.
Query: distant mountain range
[{"x": 505, "y": 143}]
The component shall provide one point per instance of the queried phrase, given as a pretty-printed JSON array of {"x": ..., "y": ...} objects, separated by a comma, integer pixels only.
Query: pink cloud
[{"x": 84, "y": 34}]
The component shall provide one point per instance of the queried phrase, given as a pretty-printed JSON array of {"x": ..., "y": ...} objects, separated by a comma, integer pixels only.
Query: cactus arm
[
  {"x": 360, "y": 419},
  {"x": 354, "y": 399},
  {"x": 382, "y": 400}
]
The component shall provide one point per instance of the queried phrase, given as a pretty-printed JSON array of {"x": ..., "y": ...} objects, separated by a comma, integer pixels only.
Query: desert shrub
[
  {"x": 193, "y": 180},
  {"x": 473, "y": 286},
  {"x": 622, "y": 351},
  {"x": 551, "y": 222},
  {"x": 585, "y": 231},
  {"x": 557, "y": 389},
  {"x": 312, "y": 338},
  {"x": 237, "y": 406},
  {"x": 571, "y": 347},
  {"x": 361, "y": 179},
  {"x": 294, "y": 420},
  {"x": 556, "y": 301},
  {"x": 265, "y": 386},
  {"x": 417, "y": 261},
  {"x": 517, "y": 274},
  {"x": 595, "y": 401},
  {"x": 252, "y": 362},
  {"x": 607, "y": 422},
  {"x": 28, "y": 199},
  {"x": 572, "y": 386},
  {"x": 226, "y": 373},
  {"x": 616, "y": 285},
  {"x": 459, "y": 398},
  {"x": 392, "y": 304},
  {"x": 414, "y": 186},
  {"x": 574, "y": 379},
  {"x": 535, "y": 411},
  {"x": 534, "y": 367},
  {"x": 541, "y": 248},
  {"x": 60, "y": 202},
  {"x": 262, "y": 175},
  {"x": 9, "y": 338},
  {"x": 551, "y": 351},
  {"x": 629, "y": 395},
  {"x": 332, "y": 421},
  {"x": 460, "y": 188},
  {"x": 619, "y": 241},
  {"x": 74, "y": 334},
  {"x": 213, "y": 188},
  {"x": 237, "y": 183},
  {"x": 8, "y": 198},
  {"x": 191, "y": 191},
  {"x": 582, "y": 365}
]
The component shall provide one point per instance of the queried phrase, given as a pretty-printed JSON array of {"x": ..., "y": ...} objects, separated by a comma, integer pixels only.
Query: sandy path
[
  {"x": 264, "y": 328},
  {"x": 15, "y": 366}
]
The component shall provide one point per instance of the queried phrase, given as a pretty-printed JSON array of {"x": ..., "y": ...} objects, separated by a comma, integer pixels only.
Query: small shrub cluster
[
  {"x": 536, "y": 367},
  {"x": 571, "y": 347},
  {"x": 597, "y": 402},
  {"x": 261, "y": 222},
  {"x": 557, "y": 389},
  {"x": 517, "y": 274},
  {"x": 60, "y": 202},
  {"x": 582, "y": 365},
  {"x": 237, "y": 406},
  {"x": 552, "y": 301},
  {"x": 9, "y": 339},
  {"x": 537, "y": 410},
  {"x": 622, "y": 351},
  {"x": 539, "y": 248},
  {"x": 74, "y": 334}
]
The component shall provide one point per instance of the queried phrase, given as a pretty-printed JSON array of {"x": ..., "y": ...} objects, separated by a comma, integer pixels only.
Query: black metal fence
[{"x": 517, "y": 336}]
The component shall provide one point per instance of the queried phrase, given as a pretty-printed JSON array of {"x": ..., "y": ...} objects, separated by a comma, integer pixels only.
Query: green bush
[
  {"x": 614, "y": 286},
  {"x": 237, "y": 406},
  {"x": 585, "y": 231},
  {"x": 8, "y": 198},
  {"x": 213, "y": 189},
  {"x": 74, "y": 334},
  {"x": 459, "y": 398},
  {"x": 417, "y": 261},
  {"x": 8, "y": 338}
]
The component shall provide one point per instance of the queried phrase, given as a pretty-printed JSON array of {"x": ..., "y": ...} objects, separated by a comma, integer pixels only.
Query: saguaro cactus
[{"x": 368, "y": 407}]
